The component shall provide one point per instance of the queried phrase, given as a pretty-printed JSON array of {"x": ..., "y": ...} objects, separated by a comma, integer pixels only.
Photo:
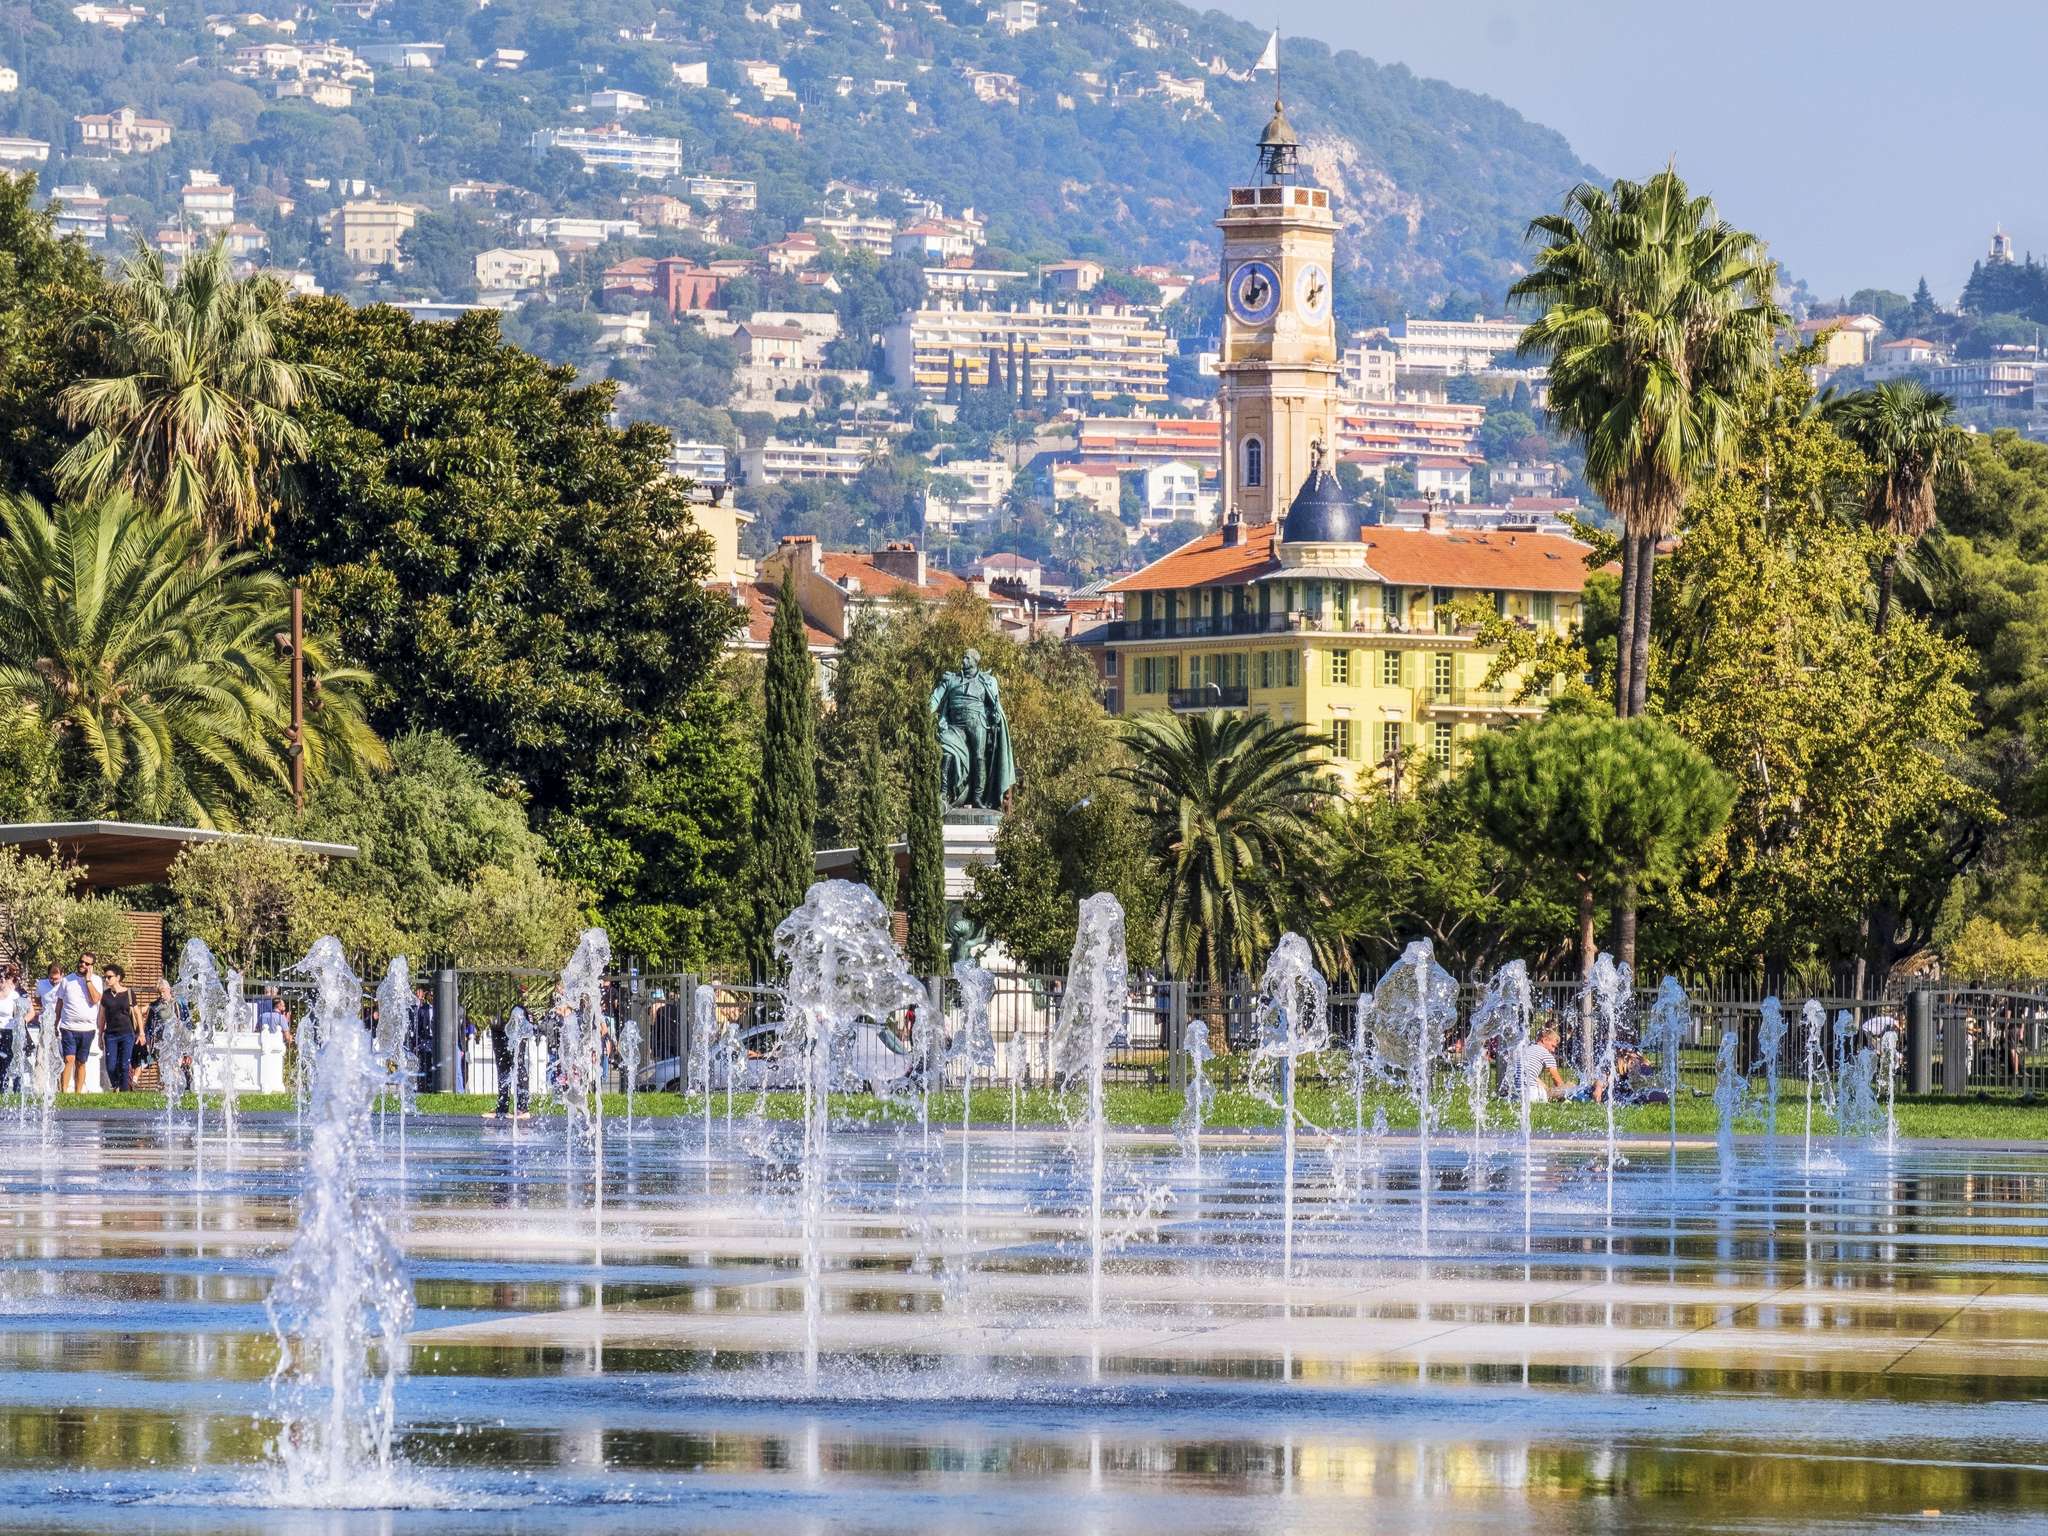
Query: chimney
[
  {"x": 902, "y": 559},
  {"x": 802, "y": 549},
  {"x": 1233, "y": 531}
]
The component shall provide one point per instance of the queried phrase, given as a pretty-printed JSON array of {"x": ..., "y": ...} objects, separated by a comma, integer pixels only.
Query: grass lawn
[{"x": 1985, "y": 1119}]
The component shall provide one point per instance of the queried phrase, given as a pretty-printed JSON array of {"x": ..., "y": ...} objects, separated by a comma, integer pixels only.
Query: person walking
[
  {"x": 117, "y": 1032},
  {"x": 76, "y": 999},
  {"x": 425, "y": 1044},
  {"x": 15, "y": 1009},
  {"x": 517, "y": 1021},
  {"x": 163, "y": 1013}
]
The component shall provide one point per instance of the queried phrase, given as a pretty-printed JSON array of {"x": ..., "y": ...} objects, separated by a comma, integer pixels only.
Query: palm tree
[
  {"x": 1657, "y": 314},
  {"x": 1904, "y": 429},
  {"x": 149, "y": 655},
  {"x": 194, "y": 413},
  {"x": 1234, "y": 803},
  {"x": 1016, "y": 435}
]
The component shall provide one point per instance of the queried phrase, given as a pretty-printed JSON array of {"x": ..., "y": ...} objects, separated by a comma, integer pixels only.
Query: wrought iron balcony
[{"x": 1208, "y": 696}]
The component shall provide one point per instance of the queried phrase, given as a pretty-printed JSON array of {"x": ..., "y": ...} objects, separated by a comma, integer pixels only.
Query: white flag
[{"x": 1270, "y": 59}]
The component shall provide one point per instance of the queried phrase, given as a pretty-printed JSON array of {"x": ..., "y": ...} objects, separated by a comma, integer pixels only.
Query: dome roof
[
  {"x": 1278, "y": 130},
  {"x": 1321, "y": 513}
]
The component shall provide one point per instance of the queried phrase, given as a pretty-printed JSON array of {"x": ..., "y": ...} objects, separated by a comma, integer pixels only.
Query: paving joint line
[{"x": 1939, "y": 1327}]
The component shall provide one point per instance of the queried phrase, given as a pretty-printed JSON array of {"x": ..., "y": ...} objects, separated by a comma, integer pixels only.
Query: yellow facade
[{"x": 1362, "y": 664}]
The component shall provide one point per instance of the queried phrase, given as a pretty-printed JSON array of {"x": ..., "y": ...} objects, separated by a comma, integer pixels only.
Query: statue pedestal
[{"x": 970, "y": 838}]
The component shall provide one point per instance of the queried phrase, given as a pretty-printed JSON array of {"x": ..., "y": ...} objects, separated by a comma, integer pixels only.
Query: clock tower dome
[{"x": 1278, "y": 370}]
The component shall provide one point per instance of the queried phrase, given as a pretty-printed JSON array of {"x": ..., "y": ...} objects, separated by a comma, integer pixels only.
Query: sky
[{"x": 1869, "y": 141}]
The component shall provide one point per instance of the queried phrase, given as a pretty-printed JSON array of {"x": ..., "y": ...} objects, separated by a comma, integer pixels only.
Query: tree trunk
[
  {"x": 1639, "y": 665},
  {"x": 1623, "y": 647},
  {"x": 1862, "y": 971},
  {"x": 1886, "y": 573},
  {"x": 1625, "y": 924},
  {"x": 1588, "y": 953}
]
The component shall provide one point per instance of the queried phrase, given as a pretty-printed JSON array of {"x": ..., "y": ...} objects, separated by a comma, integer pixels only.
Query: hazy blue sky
[{"x": 1868, "y": 140}]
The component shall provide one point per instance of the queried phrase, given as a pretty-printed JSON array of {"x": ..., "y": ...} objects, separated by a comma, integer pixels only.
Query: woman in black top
[{"x": 117, "y": 1031}]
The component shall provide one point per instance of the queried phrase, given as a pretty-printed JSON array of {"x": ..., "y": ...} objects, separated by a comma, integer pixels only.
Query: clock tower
[{"x": 1278, "y": 371}]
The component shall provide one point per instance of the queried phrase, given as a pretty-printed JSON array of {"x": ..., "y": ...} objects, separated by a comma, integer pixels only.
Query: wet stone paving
[{"x": 1859, "y": 1345}]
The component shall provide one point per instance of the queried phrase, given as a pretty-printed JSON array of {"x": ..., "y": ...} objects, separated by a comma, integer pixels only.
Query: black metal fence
[{"x": 1955, "y": 1040}]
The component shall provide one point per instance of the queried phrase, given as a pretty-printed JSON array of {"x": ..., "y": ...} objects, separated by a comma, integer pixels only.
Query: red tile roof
[
  {"x": 876, "y": 582},
  {"x": 761, "y": 600},
  {"x": 1408, "y": 557}
]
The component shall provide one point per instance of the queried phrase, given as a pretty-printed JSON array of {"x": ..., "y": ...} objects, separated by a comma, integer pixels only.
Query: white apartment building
[
  {"x": 80, "y": 210},
  {"x": 611, "y": 147},
  {"x": 1173, "y": 492},
  {"x": 14, "y": 151},
  {"x": 1455, "y": 346},
  {"x": 732, "y": 192},
  {"x": 369, "y": 232},
  {"x": 705, "y": 463},
  {"x": 1063, "y": 352},
  {"x": 206, "y": 202},
  {"x": 116, "y": 18},
  {"x": 856, "y": 232},
  {"x": 987, "y": 482},
  {"x": 617, "y": 103},
  {"x": 776, "y": 460},
  {"x": 1015, "y": 16},
  {"x": 972, "y": 281},
  {"x": 570, "y": 230},
  {"x": 526, "y": 267},
  {"x": 1366, "y": 370},
  {"x": 767, "y": 79}
]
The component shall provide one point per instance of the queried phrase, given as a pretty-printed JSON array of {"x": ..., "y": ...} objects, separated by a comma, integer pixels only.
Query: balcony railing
[
  {"x": 1208, "y": 696},
  {"x": 1479, "y": 701},
  {"x": 1210, "y": 627}
]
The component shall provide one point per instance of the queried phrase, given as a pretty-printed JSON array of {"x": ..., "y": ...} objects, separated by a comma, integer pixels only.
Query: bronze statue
[{"x": 977, "y": 769}]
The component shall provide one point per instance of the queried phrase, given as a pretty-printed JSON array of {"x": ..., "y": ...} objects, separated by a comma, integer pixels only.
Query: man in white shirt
[{"x": 77, "y": 1001}]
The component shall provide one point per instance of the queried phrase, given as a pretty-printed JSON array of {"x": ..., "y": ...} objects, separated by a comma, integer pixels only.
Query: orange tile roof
[
  {"x": 760, "y": 599},
  {"x": 876, "y": 582},
  {"x": 1406, "y": 557}
]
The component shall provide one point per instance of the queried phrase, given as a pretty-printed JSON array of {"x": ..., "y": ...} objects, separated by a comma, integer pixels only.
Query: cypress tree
[
  {"x": 924, "y": 904},
  {"x": 1010, "y": 373},
  {"x": 786, "y": 799},
  {"x": 1024, "y": 389},
  {"x": 873, "y": 829}
]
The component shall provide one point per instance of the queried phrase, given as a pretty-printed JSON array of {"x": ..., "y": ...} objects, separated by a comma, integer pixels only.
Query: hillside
[{"x": 1098, "y": 155}]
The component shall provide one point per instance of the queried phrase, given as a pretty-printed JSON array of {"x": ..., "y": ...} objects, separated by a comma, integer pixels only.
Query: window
[
  {"x": 1292, "y": 660},
  {"x": 1543, "y": 608},
  {"x": 1237, "y": 665},
  {"x": 1265, "y": 669},
  {"x": 1390, "y": 669},
  {"x": 1108, "y": 663},
  {"x": 1340, "y": 738},
  {"x": 1390, "y": 607},
  {"x": 1440, "y": 745},
  {"x": 1340, "y": 669},
  {"x": 1194, "y": 671},
  {"x": 1390, "y": 739},
  {"x": 1443, "y": 671},
  {"x": 1254, "y": 462}
]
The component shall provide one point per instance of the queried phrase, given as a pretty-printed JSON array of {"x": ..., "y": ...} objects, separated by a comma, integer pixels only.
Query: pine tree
[
  {"x": 924, "y": 904},
  {"x": 786, "y": 799},
  {"x": 874, "y": 831}
]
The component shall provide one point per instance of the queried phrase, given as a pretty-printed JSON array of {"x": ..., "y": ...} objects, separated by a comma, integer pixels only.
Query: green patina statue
[{"x": 977, "y": 769}]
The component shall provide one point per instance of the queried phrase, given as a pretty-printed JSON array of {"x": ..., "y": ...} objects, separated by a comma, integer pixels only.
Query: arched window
[{"x": 1254, "y": 462}]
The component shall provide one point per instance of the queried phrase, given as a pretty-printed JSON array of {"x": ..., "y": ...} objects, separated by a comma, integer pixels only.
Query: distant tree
[
  {"x": 924, "y": 903},
  {"x": 786, "y": 797},
  {"x": 45, "y": 285},
  {"x": 875, "y": 830},
  {"x": 1598, "y": 803}
]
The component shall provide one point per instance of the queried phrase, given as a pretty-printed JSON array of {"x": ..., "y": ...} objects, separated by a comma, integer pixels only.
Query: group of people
[
  {"x": 1535, "y": 1075},
  {"x": 86, "y": 1011},
  {"x": 516, "y": 1069}
]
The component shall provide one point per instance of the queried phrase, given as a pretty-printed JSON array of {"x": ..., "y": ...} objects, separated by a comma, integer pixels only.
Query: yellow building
[
  {"x": 1319, "y": 616},
  {"x": 369, "y": 232}
]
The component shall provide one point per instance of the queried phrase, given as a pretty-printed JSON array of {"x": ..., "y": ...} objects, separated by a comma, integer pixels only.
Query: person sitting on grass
[
  {"x": 1635, "y": 1082},
  {"x": 1536, "y": 1076}
]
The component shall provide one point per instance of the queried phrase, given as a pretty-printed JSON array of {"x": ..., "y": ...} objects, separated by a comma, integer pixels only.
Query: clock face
[
  {"x": 1254, "y": 292},
  {"x": 1312, "y": 291}
]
